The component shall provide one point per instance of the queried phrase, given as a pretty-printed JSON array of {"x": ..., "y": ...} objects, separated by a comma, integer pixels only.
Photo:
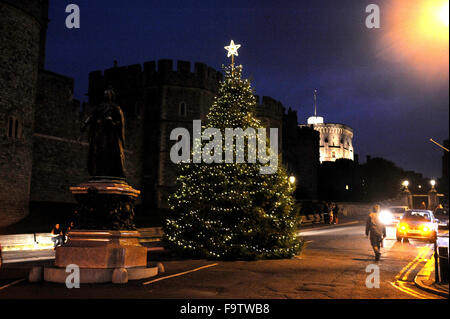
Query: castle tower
[
  {"x": 336, "y": 140},
  {"x": 23, "y": 24}
]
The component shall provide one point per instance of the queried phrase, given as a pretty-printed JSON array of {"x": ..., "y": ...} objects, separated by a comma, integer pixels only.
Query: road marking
[
  {"x": 11, "y": 284},
  {"x": 409, "y": 266},
  {"x": 179, "y": 274},
  {"x": 401, "y": 286},
  {"x": 317, "y": 232},
  {"x": 420, "y": 258},
  {"x": 402, "y": 276}
]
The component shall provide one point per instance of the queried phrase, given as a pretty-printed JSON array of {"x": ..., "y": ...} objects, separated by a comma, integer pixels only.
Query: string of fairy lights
[{"x": 223, "y": 210}]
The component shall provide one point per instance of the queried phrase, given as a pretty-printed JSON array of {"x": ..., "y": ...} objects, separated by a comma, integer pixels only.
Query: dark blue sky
[{"x": 289, "y": 48}]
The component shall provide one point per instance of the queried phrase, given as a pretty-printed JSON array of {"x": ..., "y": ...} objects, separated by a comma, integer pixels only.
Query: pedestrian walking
[
  {"x": 330, "y": 212},
  {"x": 376, "y": 231}
]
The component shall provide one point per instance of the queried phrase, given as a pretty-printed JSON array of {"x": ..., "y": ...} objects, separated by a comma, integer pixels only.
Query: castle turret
[{"x": 22, "y": 47}]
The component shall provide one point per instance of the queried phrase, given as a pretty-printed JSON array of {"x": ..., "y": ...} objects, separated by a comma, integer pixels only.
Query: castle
[
  {"x": 41, "y": 154},
  {"x": 336, "y": 140}
]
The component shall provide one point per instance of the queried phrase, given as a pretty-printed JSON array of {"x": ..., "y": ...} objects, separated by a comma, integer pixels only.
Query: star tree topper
[{"x": 232, "y": 51}]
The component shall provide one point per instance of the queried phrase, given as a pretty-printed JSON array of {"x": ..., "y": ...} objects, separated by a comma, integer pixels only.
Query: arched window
[
  {"x": 326, "y": 140},
  {"x": 182, "y": 109}
]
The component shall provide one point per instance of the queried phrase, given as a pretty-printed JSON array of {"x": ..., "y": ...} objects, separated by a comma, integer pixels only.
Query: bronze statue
[{"x": 106, "y": 138}]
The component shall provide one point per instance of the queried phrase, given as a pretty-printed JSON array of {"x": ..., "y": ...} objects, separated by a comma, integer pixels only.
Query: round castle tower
[
  {"x": 336, "y": 140},
  {"x": 23, "y": 26}
]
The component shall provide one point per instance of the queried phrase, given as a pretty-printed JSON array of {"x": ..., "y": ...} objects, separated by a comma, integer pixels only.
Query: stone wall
[{"x": 20, "y": 30}]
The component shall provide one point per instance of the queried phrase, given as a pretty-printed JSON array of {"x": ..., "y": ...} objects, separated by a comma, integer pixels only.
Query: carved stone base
[
  {"x": 102, "y": 256},
  {"x": 105, "y": 203},
  {"x": 102, "y": 249},
  {"x": 92, "y": 276}
]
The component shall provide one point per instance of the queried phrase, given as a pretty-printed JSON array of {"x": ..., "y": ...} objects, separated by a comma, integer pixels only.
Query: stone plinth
[
  {"x": 104, "y": 244},
  {"x": 102, "y": 249},
  {"x": 105, "y": 203}
]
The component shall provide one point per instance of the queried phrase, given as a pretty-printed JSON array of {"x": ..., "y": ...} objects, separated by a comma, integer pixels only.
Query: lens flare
[
  {"x": 416, "y": 34},
  {"x": 443, "y": 14}
]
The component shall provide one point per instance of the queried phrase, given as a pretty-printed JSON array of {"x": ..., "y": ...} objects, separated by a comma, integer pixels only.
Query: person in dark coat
[
  {"x": 376, "y": 231},
  {"x": 336, "y": 213}
]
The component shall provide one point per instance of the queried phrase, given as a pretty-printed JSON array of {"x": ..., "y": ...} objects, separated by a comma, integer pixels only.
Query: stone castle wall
[{"x": 20, "y": 57}]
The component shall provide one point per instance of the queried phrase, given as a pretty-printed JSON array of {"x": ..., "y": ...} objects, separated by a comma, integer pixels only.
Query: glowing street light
[
  {"x": 292, "y": 179},
  {"x": 433, "y": 183},
  {"x": 405, "y": 184}
]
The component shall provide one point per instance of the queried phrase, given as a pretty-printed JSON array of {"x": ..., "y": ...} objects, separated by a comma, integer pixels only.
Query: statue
[{"x": 106, "y": 138}]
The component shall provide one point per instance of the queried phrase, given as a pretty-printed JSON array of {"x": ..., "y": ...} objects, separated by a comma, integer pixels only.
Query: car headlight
[
  {"x": 426, "y": 229},
  {"x": 386, "y": 217},
  {"x": 403, "y": 227}
]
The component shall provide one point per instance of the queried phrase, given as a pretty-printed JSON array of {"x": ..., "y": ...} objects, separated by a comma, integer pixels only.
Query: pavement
[
  {"x": 425, "y": 278},
  {"x": 337, "y": 263}
]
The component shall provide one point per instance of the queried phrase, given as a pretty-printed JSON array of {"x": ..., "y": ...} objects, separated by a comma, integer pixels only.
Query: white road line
[
  {"x": 324, "y": 231},
  {"x": 11, "y": 284}
]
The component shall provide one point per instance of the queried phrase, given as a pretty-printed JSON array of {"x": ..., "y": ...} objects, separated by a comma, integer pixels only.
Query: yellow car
[{"x": 418, "y": 224}]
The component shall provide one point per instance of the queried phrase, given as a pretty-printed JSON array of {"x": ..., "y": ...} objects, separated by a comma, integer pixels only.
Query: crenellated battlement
[
  {"x": 269, "y": 107},
  {"x": 132, "y": 78}
]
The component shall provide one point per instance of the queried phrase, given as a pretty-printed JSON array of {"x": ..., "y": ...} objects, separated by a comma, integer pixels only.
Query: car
[
  {"x": 417, "y": 224},
  {"x": 391, "y": 215},
  {"x": 442, "y": 215}
]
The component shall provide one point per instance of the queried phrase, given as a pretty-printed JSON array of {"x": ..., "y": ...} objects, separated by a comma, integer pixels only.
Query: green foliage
[{"x": 231, "y": 211}]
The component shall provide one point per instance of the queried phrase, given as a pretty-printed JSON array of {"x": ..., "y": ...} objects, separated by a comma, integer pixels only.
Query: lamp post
[
  {"x": 432, "y": 196},
  {"x": 406, "y": 194}
]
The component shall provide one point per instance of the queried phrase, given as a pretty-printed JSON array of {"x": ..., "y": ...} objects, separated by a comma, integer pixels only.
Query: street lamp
[
  {"x": 405, "y": 184},
  {"x": 433, "y": 183},
  {"x": 292, "y": 179}
]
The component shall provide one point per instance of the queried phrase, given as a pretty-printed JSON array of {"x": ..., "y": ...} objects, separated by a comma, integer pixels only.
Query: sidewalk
[{"x": 425, "y": 280}]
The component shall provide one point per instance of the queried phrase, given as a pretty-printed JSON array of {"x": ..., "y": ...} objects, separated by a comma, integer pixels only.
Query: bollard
[
  {"x": 436, "y": 262},
  {"x": 443, "y": 264}
]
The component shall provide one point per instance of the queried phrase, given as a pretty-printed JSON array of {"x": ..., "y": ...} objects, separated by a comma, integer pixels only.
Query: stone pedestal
[
  {"x": 104, "y": 244},
  {"x": 102, "y": 249},
  {"x": 433, "y": 200},
  {"x": 406, "y": 197}
]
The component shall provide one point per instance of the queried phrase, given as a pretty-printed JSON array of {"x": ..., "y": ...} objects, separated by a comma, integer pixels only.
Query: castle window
[
  {"x": 14, "y": 128},
  {"x": 333, "y": 155},
  {"x": 326, "y": 139},
  {"x": 10, "y": 127},
  {"x": 182, "y": 109}
]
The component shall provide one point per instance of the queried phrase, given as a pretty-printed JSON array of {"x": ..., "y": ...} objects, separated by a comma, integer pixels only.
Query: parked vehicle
[
  {"x": 442, "y": 214},
  {"x": 417, "y": 224}
]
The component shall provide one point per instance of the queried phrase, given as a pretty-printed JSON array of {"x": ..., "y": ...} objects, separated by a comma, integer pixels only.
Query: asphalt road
[{"x": 333, "y": 265}]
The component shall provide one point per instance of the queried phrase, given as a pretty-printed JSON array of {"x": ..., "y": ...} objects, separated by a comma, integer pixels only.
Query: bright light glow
[
  {"x": 386, "y": 217},
  {"x": 292, "y": 179},
  {"x": 443, "y": 14},
  {"x": 405, "y": 183},
  {"x": 232, "y": 49},
  {"x": 426, "y": 229},
  {"x": 433, "y": 182},
  {"x": 315, "y": 120},
  {"x": 417, "y": 34},
  {"x": 403, "y": 227}
]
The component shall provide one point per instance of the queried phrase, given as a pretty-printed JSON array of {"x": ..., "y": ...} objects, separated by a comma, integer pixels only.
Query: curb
[
  {"x": 424, "y": 275},
  {"x": 327, "y": 226}
]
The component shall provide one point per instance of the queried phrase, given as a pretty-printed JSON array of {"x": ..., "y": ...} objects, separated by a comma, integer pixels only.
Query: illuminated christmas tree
[{"x": 232, "y": 210}]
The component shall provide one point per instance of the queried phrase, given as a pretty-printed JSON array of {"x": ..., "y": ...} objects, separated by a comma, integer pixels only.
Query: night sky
[{"x": 289, "y": 48}]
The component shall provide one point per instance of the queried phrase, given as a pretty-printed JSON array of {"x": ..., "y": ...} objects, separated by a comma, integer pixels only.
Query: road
[{"x": 332, "y": 265}]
